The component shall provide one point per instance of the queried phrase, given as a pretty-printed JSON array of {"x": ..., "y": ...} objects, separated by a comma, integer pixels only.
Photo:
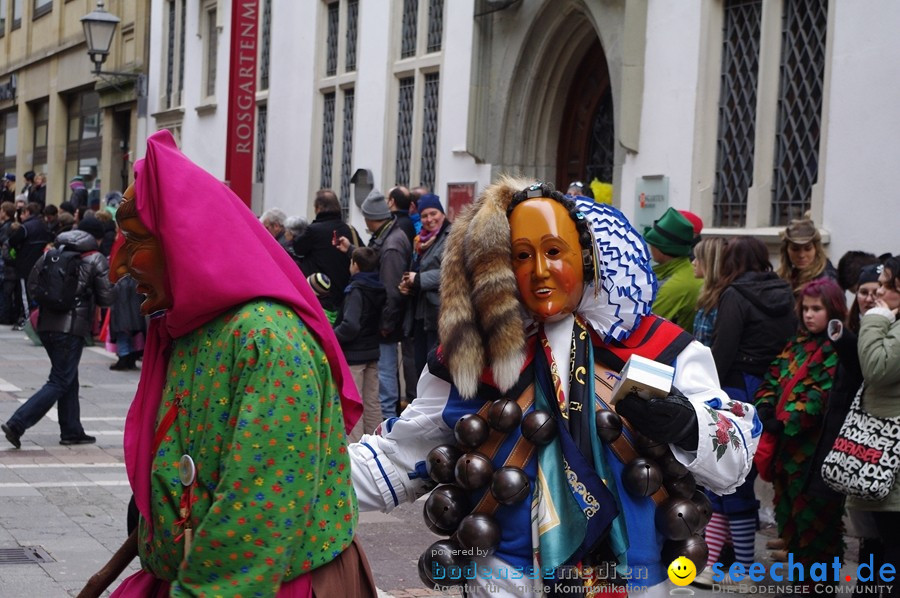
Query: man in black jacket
[
  {"x": 28, "y": 241},
  {"x": 317, "y": 253},
  {"x": 63, "y": 334}
]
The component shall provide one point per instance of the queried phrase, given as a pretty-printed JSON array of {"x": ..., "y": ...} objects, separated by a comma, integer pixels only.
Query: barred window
[
  {"x": 737, "y": 111},
  {"x": 332, "y": 41},
  {"x": 352, "y": 18},
  {"x": 430, "y": 130},
  {"x": 265, "y": 44},
  {"x": 405, "y": 100},
  {"x": 799, "y": 108},
  {"x": 327, "y": 139},
  {"x": 435, "y": 25},
  {"x": 211, "y": 50},
  {"x": 261, "y": 122},
  {"x": 410, "y": 28},
  {"x": 347, "y": 151}
]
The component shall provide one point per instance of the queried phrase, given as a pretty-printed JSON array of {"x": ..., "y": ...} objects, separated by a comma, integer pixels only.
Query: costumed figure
[
  {"x": 235, "y": 442},
  {"x": 545, "y": 488}
]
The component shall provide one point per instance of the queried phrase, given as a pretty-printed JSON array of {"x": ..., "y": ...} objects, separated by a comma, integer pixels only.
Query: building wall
[
  {"x": 48, "y": 55},
  {"x": 862, "y": 204}
]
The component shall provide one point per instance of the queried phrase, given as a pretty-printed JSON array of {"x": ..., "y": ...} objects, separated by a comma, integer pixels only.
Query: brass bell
[
  {"x": 672, "y": 468},
  {"x": 694, "y": 548},
  {"x": 510, "y": 485},
  {"x": 438, "y": 561},
  {"x": 539, "y": 427},
  {"x": 504, "y": 415},
  {"x": 642, "y": 477},
  {"x": 704, "y": 505},
  {"x": 683, "y": 487},
  {"x": 471, "y": 430},
  {"x": 652, "y": 449},
  {"x": 473, "y": 471},
  {"x": 445, "y": 508},
  {"x": 677, "y": 518},
  {"x": 609, "y": 425},
  {"x": 440, "y": 462},
  {"x": 479, "y": 531}
]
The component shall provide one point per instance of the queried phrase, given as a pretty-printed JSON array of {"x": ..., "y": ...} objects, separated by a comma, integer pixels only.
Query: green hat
[{"x": 673, "y": 234}]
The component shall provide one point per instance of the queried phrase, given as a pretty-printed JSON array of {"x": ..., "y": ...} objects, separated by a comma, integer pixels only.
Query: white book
[{"x": 648, "y": 378}]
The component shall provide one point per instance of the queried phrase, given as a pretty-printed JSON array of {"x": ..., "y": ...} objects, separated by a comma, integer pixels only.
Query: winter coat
[
  {"x": 678, "y": 292},
  {"x": 879, "y": 356},
  {"x": 394, "y": 254},
  {"x": 94, "y": 287},
  {"x": 405, "y": 222},
  {"x": 125, "y": 315},
  {"x": 316, "y": 254},
  {"x": 428, "y": 281},
  {"x": 29, "y": 241},
  {"x": 755, "y": 319},
  {"x": 357, "y": 328}
]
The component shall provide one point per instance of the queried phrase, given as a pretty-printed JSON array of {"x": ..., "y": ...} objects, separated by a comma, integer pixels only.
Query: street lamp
[{"x": 99, "y": 29}]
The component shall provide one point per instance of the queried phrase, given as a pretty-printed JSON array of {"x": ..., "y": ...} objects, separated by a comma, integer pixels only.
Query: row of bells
[{"x": 681, "y": 518}]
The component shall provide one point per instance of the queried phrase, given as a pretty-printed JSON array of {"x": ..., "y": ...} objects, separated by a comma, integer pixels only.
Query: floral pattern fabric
[{"x": 258, "y": 412}]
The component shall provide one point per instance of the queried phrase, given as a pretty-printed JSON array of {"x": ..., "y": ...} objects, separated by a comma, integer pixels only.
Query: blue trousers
[
  {"x": 61, "y": 387},
  {"x": 388, "y": 379}
]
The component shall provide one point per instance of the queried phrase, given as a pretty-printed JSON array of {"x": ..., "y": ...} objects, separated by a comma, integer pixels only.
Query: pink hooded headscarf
[{"x": 218, "y": 256}]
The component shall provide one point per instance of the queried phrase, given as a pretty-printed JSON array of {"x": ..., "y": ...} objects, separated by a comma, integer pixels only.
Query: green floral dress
[
  {"x": 260, "y": 416},
  {"x": 810, "y": 525}
]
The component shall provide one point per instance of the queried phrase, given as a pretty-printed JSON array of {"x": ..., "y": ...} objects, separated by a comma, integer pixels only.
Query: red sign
[
  {"x": 242, "y": 98},
  {"x": 459, "y": 195}
]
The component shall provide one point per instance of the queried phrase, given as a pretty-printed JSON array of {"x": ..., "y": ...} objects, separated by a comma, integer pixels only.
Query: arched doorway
[{"x": 586, "y": 148}]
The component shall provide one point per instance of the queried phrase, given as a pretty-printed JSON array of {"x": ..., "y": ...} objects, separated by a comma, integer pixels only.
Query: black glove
[
  {"x": 670, "y": 420},
  {"x": 770, "y": 423}
]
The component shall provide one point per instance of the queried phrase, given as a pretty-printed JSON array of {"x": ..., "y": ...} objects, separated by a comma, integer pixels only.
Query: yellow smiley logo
[{"x": 682, "y": 571}]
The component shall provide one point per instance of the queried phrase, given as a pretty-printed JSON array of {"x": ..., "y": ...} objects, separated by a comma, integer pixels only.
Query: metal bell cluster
[
  {"x": 460, "y": 469},
  {"x": 682, "y": 517}
]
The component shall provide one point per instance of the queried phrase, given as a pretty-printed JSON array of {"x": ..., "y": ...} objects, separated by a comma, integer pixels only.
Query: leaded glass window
[
  {"x": 347, "y": 151},
  {"x": 430, "y": 129},
  {"x": 261, "y": 122},
  {"x": 405, "y": 100},
  {"x": 331, "y": 43},
  {"x": 265, "y": 44},
  {"x": 435, "y": 25},
  {"x": 410, "y": 26},
  {"x": 601, "y": 153},
  {"x": 327, "y": 140},
  {"x": 352, "y": 16},
  {"x": 737, "y": 111},
  {"x": 799, "y": 108}
]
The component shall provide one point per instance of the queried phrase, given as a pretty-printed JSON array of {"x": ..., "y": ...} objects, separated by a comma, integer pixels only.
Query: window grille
[
  {"x": 170, "y": 55},
  {"x": 737, "y": 111},
  {"x": 327, "y": 140},
  {"x": 435, "y": 25},
  {"x": 404, "y": 129},
  {"x": 352, "y": 16},
  {"x": 799, "y": 108},
  {"x": 265, "y": 44},
  {"x": 212, "y": 44},
  {"x": 430, "y": 129},
  {"x": 602, "y": 149},
  {"x": 332, "y": 40},
  {"x": 261, "y": 122},
  {"x": 181, "y": 51},
  {"x": 347, "y": 151},
  {"x": 410, "y": 26}
]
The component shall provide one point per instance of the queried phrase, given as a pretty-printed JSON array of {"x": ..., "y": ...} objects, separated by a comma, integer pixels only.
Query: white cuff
[{"x": 383, "y": 474}]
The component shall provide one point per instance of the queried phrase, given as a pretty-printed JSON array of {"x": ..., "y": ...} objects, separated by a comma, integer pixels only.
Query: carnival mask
[
  {"x": 142, "y": 257},
  {"x": 546, "y": 258}
]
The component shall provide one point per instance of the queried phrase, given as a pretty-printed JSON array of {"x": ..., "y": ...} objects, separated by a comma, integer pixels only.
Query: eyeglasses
[
  {"x": 863, "y": 293},
  {"x": 578, "y": 184}
]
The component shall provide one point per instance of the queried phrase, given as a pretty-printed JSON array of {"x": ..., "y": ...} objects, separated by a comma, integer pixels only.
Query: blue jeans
[
  {"x": 61, "y": 388},
  {"x": 388, "y": 380},
  {"x": 123, "y": 343}
]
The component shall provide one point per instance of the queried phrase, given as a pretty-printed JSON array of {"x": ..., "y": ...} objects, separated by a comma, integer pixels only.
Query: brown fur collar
[{"x": 481, "y": 321}]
